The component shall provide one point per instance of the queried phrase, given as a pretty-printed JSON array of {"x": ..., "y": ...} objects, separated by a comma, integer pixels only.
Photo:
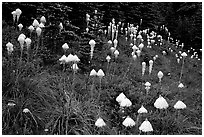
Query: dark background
[{"x": 183, "y": 19}]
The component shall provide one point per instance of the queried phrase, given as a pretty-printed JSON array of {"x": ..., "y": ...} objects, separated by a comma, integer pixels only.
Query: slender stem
[
  {"x": 127, "y": 69},
  {"x": 181, "y": 70}
]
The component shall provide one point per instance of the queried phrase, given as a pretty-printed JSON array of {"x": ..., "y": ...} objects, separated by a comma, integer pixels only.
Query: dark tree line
[{"x": 183, "y": 19}]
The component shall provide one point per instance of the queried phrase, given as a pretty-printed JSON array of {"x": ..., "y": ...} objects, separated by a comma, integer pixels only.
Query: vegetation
[{"x": 42, "y": 95}]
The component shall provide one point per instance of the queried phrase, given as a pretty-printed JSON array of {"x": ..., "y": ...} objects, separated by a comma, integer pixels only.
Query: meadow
[{"x": 119, "y": 79}]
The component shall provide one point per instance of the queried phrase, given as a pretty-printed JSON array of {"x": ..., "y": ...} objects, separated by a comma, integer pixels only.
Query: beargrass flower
[
  {"x": 11, "y": 104},
  {"x": 65, "y": 46},
  {"x": 161, "y": 103},
  {"x": 28, "y": 42},
  {"x": 31, "y": 28},
  {"x": 125, "y": 103},
  {"x": 128, "y": 122},
  {"x": 18, "y": 13},
  {"x": 134, "y": 48},
  {"x": 184, "y": 54},
  {"x": 110, "y": 42},
  {"x": 141, "y": 46},
  {"x": 63, "y": 59},
  {"x": 20, "y": 26},
  {"x": 38, "y": 31},
  {"x": 9, "y": 47},
  {"x": 146, "y": 126},
  {"x": 14, "y": 15},
  {"x": 134, "y": 57},
  {"x": 26, "y": 110},
  {"x": 180, "y": 85},
  {"x": 120, "y": 98},
  {"x": 116, "y": 53},
  {"x": 179, "y": 105},
  {"x": 142, "y": 110},
  {"x": 70, "y": 58},
  {"x": 93, "y": 72},
  {"x": 143, "y": 68},
  {"x": 115, "y": 42},
  {"x": 100, "y": 73},
  {"x": 108, "y": 58},
  {"x": 43, "y": 20},
  {"x": 150, "y": 66},
  {"x": 75, "y": 67},
  {"x": 41, "y": 25},
  {"x": 35, "y": 23},
  {"x": 160, "y": 75},
  {"x": 138, "y": 53},
  {"x": 99, "y": 122}
]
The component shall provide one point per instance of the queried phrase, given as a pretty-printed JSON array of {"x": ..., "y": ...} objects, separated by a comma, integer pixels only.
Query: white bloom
[
  {"x": 14, "y": 15},
  {"x": 128, "y": 122},
  {"x": 75, "y": 58},
  {"x": 142, "y": 110},
  {"x": 75, "y": 67},
  {"x": 139, "y": 36},
  {"x": 35, "y": 23},
  {"x": 65, "y": 46},
  {"x": 43, "y": 20},
  {"x": 112, "y": 49},
  {"x": 63, "y": 59},
  {"x": 22, "y": 35},
  {"x": 9, "y": 46},
  {"x": 38, "y": 31},
  {"x": 181, "y": 85},
  {"x": 31, "y": 28},
  {"x": 147, "y": 84},
  {"x": 125, "y": 103},
  {"x": 93, "y": 72},
  {"x": 28, "y": 42},
  {"x": 161, "y": 103},
  {"x": 160, "y": 75},
  {"x": 116, "y": 53},
  {"x": 100, "y": 73},
  {"x": 120, "y": 98},
  {"x": 115, "y": 42},
  {"x": 134, "y": 48},
  {"x": 184, "y": 54},
  {"x": 138, "y": 53},
  {"x": 69, "y": 58},
  {"x": 164, "y": 52},
  {"x": 11, "y": 104},
  {"x": 20, "y": 26},
  {"x": 99, "y": 122},
  {"x": 150, "y": 66},
  {"x": 179, "y": 105},
  {"x": 18, "y": 12},
  {"x": 146, "y": 126},
  {"x": 41, "y": 25},
  {"x": 21, "y": 40},
  {"x": 134, "y": 57},
  {"x": 108, "y": 58},
  {"x": 141, "y": 46},
  {"x": 92, "y": 43},
  {"x": 61, "y": 26},
  {"x": 109, "y": 42},
  {"x": 26, "y": 110},
  {"x": 143, "y": 68}
]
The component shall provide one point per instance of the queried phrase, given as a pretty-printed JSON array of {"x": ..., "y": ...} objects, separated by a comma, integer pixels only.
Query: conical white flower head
[
  {"x": 92, "y": 43},
  {"x": 65, "y": 46},
  {"x": 115, "y": 42},
  {"x": 63, "y": 59},
  {"x": 141, "y": 46},
  {"x": 112, "y": 49},
  {"x": 108, "y": 58},
  {"x": 38, "y": 31},
  {"x": 100, "y": 73},
  {"x": 184, "y": 54},
  {"x": 134, "y": 48},
  {"x": 125, "y": 103},
  {"x": 181, "y": 85},
  {"x": 75, "y": 67},
  {"x": 70, "y": 58},
  {"x": 31, "y": 28},
  {"x": 109, "y": 42},
  {"x": 21, "y": 40},
  {"x": 128, "y": 122},
  {"x": 179, "y": 105},
  {"x": 26, "y": 110},
  {"x": 146, "y": 126},
  {"x": 28, "y": 41},
  {"x": 93, "y": 72},
  {"x": 120, "y": 97},
  {"x": 9, "y": 47},
  {"x": 22, "y": 35},
  {"x": 138, "y": 53},
  {"x": 20, "y": 26},
  {"x": 35, "y": 23},
  {"x": 116, "y": 53},
  {"x": 99, "y": 122},
  {"x": 43, "y": 20},
  {"x": 134, "y": 57},
  {"x": 41, "y": 25},
  {"x": 139, "y": 36},
  {"x": 161, "y": 103},
  {"x": 151, "y": 62},
  {"x": 142, "y": 110},
  {"x": 18, "y": 12},
  {"x": 147, "y": 84},
  {"x": 75, "y": 58},
  {"x": 160, "y": 74}
]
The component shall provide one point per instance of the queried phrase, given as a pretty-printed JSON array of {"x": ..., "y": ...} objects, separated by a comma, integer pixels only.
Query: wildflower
[
  {"x": 180, "y": 85},
  {"x": 61, "y": 26},
  {"x": 138, "y": 53},
  {"x": 38, "y": 31},
  {"x": 179, "y": 105},
  {"x": 139, "y": 36},
  {"x": 75, "y": 58},
  {"x": 178, "y": 60},
  {"x": 43, "y": 20},
  {"x": 134, "y": 48},
  {"x": 63, "y": 59},
  {"x": 21, "y": 40},
  {"x": 69, "y": 58},
  {"x": 125, "y": 103},
  {"x": 184, "y": 54},
  {"x": 31, "y": 28},
  {"x": 87, "y": 30},
  {"x": 65, "y": 46},
  {"x": 41, "y": 25},
  {"x": 22, "y": 35},
  {"x": 100, "y": 73},
  {"x": 116, "y": 53},
  {"x": 143, "y": 68},
  {"x": 14, "y": 15},
  {"x": 18, "y": 13},
  {"x": 120, "y": 97},
  {"x": 28, "y": 42},
  {"x": 161, "y": 103},
  {"x": 46, "y": 130},
  {"x": 147, "y": 86},
  {"x": 128, "y": 122},
  {"x": 134, "y": 57},
  {"x": 160, "y": 75},
  {"x": 11, "y": 104},
  {"x": 141, "y": 46},
  {"x": 142, "y": 110},
  {"x": 9, "y": 46},
  {"x": 146, "y": 126},
  {"x": 92, "y": 43},
  {"x": 150, "y": 66},
  {"x": 164, "y": 52},
  {"x": 93, "y": 72},
  {"x": 75, "y": 67},
  {"x": 109, "y": 42},
  {"x": 35, "y": 23},
  {"x": 20, "y": 26},
  {"x": 108, "y": 58},
  {"x": 26, "y": 110},
  {"x": 115, "y": 42},
  {"x": 99, "y": 122}
]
